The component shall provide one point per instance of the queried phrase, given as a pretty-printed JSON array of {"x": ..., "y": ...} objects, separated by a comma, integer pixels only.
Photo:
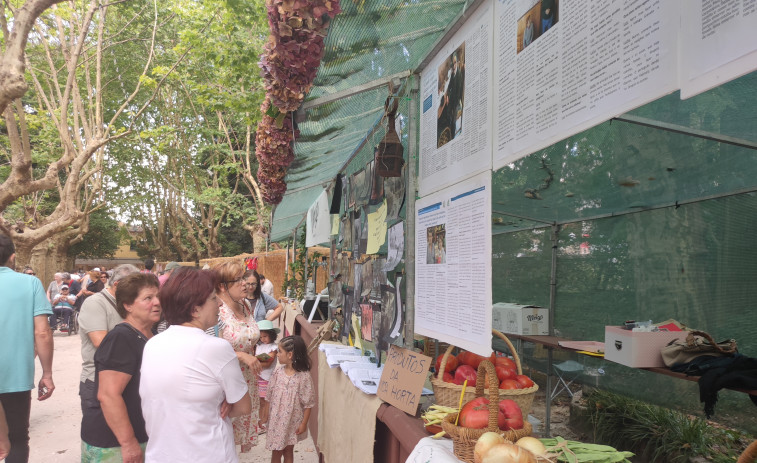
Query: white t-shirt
[
  {"x": 261, "y": 348},
  {"x": 186, "y": 375},
  {"x": 267, "y": 287}
]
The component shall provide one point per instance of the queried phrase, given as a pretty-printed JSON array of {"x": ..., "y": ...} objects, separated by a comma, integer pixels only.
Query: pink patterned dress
[
  {"x": 288, "y": 396},
  {"x": 243, "y": 335}
]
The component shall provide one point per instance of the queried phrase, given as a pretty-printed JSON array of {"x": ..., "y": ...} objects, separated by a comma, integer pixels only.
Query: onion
[
  {"x": 532, "y": 444},
  {"x": 484, "y": 443},
  {"x": 508, "y": 453}
]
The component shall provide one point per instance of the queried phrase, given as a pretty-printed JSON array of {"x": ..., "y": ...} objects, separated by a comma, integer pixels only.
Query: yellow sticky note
[
  {"x": 335, "y": 224},
  {"x": 376, "y": 229}
]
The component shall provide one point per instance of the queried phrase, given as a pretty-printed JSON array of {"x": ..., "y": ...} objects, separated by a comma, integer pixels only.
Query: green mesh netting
[
  {"x": 369, "y": 40},
  {"x": 693, "y": 261}
]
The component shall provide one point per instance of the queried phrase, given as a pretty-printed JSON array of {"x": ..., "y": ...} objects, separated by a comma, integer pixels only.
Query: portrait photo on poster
[
  {"x": 436, "y": 244},
  {"x": 451, "y": 94},
  {"x": 535, "y": 22}
]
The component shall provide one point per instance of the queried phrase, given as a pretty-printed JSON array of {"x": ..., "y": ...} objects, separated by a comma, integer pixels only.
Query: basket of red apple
[
  {"x": 453, "y": 371},
  {"x": 482, "y": 414}
]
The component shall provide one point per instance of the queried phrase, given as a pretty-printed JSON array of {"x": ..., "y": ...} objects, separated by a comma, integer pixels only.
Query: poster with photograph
[
  {"x": 456, "y": 106},
  {"x": 561, "y": 67},
  {"x": 453, "y": 264}
]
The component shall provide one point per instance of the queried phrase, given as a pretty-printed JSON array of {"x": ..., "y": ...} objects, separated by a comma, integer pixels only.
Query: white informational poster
[
  {"x": 718, "y": 43},
  {"x": 318, "y": 222},
  {"x": 453, "y": 265},
  {"x": 456, "y": 106},
  {"x": 563, "y": 66}
]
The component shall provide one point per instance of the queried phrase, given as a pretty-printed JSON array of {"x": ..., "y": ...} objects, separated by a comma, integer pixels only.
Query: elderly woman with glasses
[
  {"x": 265, "y": 307},
  {"x": 236, "y": 324}
]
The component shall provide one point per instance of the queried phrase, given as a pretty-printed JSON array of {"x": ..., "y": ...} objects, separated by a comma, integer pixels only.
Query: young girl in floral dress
[{"x": 290, "y": 396}]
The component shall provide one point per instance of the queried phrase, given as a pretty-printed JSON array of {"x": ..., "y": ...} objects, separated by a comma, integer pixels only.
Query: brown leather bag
[{"x": 696, "y": 344}]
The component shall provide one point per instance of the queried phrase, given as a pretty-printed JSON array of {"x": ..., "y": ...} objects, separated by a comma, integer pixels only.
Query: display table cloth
[
  {"x": 346, "y": 416},
  {"x": 433, "y": 450}
]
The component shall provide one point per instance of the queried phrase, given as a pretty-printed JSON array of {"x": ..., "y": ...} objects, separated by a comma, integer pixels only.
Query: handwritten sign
[{"x": 402, "y": 380}]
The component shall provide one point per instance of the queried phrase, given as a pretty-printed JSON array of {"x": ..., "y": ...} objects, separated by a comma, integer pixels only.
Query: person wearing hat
[
  {"x": 63, "y": 305},
  {"x": 267, "y": 345},
  {"x": 170, "y": 267}
]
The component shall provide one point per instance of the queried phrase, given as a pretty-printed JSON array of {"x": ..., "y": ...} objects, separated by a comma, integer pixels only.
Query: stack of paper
[
  {"x": 366, "y": 379},
  {"x": 334, "y": 359}
]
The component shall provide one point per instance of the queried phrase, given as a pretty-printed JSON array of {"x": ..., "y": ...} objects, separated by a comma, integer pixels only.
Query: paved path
[{"x": 55, "y": 422}]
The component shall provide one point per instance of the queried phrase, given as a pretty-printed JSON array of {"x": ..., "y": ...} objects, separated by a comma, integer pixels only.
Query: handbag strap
[{"x": 732, "y": 349}]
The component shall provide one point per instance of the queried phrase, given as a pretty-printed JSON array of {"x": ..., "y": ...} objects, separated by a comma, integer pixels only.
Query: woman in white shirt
[{"x": 191, "y": 382}]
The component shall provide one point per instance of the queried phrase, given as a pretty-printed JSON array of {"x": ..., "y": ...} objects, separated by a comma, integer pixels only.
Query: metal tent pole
[
  {"x": 551, "y": 324},
  {"x": 410, "y": 193}
]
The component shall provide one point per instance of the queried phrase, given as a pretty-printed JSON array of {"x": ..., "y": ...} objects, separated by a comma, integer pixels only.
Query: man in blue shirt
[{"x": 24, "y": 327}]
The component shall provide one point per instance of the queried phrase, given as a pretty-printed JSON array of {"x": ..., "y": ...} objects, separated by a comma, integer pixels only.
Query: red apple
[
  {"x": 513, "y": 414},
  {"x": 448, "y": 378},
  {"x": 524, "y": 381}
]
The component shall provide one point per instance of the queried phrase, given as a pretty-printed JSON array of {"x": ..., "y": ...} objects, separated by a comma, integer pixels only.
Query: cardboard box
[
  {"x": 520, "y": 319},
  {"x": 636, "y": 349}
]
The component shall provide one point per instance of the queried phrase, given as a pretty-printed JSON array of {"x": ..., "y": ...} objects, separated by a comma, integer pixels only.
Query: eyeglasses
[
  {"x": 233, "y": 282},
  {"x": 251, "y": 284}
]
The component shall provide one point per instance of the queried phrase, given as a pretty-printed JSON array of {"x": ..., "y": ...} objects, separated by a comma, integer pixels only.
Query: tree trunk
[{"x": 46, "y": 258}]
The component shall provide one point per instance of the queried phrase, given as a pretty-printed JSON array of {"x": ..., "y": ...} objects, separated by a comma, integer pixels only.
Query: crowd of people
[{"x": 184, "y": 366}]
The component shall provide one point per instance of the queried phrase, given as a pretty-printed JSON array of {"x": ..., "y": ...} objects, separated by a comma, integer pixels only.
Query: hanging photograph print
[
  {"x": 377, "y": 186},
  {"x": 394, "y": 190},
  {"x": 366, "y": 322}
]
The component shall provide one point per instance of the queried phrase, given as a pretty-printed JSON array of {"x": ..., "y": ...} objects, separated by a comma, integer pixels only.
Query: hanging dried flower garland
[{"x": 289, "y": 65}]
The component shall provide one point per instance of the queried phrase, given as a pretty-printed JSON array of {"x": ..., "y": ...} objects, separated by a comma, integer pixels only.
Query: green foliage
[
  {"x": 660, "y": 434},
  {"x": 102, "y": 239},
  {"x": 296, "y": 279}
]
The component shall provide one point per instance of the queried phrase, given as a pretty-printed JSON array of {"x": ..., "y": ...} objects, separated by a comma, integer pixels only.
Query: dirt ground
[
  {"x": 55, "y": 422},
  {"x": 559, "y": 417}
]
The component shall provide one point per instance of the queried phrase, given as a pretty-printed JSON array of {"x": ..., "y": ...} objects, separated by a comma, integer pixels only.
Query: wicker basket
[
  {"x": 448, "y": 394},
  {"x": 464, "y": 439}
]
